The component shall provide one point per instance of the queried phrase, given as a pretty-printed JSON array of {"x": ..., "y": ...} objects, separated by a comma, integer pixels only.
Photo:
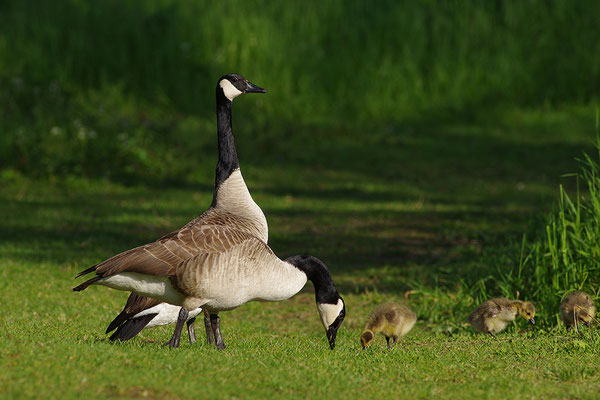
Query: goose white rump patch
[
  {"x": 167, "y": 314},
  {"x": 157, "y": 287}
]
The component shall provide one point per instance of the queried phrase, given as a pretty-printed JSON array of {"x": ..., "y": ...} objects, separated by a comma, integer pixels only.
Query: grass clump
[{"x": 564, "y": 258}]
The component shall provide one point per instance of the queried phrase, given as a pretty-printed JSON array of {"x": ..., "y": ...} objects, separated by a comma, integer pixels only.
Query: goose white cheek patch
[
  {"x": 329, "y": 312},
  {"x": 231, "y": 92}
]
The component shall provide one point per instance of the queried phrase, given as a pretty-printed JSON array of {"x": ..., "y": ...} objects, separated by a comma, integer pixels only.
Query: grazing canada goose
[
  {"x": 392, "y": 320},
  {"x": 225, "y": 269},
  {"x": 576, "y": 308},
  {"x": 231, "y": 198},
  {"x": 493, "y": 316},
  {"x": 219, "y": 260}
]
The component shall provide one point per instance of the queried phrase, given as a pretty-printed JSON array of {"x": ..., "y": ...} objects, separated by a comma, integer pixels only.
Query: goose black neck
[
  {"x": 228, "y": 159},
  {"x": 317, "y": 273}
]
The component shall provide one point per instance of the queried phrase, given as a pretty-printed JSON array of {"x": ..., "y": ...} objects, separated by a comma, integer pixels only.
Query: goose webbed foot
[
  {"x": 215, "y": 323},
  {"x": 191, "y": 331},
  {"x": 174, "y": 342}
]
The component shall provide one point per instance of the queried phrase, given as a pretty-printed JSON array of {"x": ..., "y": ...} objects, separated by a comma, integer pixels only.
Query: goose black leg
[
  {"x": 191, "y": 331},
  {"x": 215, "y": 322},
  {"x": 387, "y": 339},
  {"x": 394, "y": 340},
  {"x": 210, "y": 337},
  {"x": 174, "y": 342}
]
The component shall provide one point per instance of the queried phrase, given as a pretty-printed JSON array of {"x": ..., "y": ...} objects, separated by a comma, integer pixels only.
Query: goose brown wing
[{"x": 162, "y": 257}]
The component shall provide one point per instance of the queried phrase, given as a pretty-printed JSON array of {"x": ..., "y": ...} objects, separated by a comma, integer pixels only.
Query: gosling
[
  {"x": 576, "y": 308},
  {"x": 392, "y": 320},
  {"x": 494, "y": 315}
]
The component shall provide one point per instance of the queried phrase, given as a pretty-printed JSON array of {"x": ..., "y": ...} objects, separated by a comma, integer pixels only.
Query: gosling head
[
  {"x": 332, "y": 316},
  {"x": 233, "y": 85},
  {"x": 366, "y": 338},
  {"x": 583, "y": 316},
  {"x": 527, "y": 311}
]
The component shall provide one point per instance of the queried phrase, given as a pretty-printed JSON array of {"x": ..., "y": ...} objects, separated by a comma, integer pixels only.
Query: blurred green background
[
  {"x": 416, "y": 147},
  {"x": 125, "y": 90}
]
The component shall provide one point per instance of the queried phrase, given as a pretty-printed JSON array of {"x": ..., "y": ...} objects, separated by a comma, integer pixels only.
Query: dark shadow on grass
[{"x": 476, "y": 190}]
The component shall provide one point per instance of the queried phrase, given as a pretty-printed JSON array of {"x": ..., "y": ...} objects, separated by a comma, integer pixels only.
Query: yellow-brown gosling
[
  {"x": 494, "y": 315},
  {"x": 577, "y": 308},
  {"x": 392, "y": 320}
]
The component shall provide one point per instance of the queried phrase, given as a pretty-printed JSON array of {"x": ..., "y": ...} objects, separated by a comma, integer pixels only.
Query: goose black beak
[
  {"x": 532, "y": 321},
  {"x": 333, "y": 328},
  {"x": 252, "y": 88},
  {"x": 587, "y": 324}
]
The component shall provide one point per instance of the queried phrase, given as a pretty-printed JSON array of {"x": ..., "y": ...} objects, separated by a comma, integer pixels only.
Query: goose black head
[
  {"x": 233, "y": 85},
  {"x": 330, "y": 305}
]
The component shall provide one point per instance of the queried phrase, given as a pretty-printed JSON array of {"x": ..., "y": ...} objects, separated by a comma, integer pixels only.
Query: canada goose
[
  {"x": 230, "y": 196},
  {"x": 392, "y": 320},
  {"x": 576, "y": 308},
  {"x": 220, "y": 260},
  {"x": 223, "y": 268},
  {"x": 493, "y": 316}
]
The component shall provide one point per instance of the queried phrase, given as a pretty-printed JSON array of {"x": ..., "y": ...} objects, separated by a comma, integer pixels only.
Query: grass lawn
[{"x": 407, "y": 213}]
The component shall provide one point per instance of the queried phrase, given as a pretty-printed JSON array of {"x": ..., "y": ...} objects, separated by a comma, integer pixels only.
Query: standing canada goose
[
  {"x": 576, "y": 308},
  {"x": 230, "y": 196},
  {"x": 392, "y": 320},
  {"x": 494, "y": 315}
]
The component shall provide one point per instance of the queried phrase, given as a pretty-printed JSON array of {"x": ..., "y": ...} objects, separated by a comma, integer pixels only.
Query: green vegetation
[
  {"x": 410, "y": 146},
  {"x": 134, "y": 83},
  {"x": 565, "y": 257},
  {"x": 451, "y": 209}
]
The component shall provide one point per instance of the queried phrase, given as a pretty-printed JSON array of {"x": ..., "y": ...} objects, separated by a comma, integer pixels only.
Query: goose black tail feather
[
  {"x": 86, "y": 284},
  {"x": 86, "y": 271},
  {"x": 124, "y": 316},
  {"x": 132, "y": 327}
]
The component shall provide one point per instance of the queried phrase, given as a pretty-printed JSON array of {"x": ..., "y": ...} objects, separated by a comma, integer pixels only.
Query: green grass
[
  {"x": 404, "y": 216},
  {"x": 409, "y": 145},
  {"x": 563, "y": 257}
]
